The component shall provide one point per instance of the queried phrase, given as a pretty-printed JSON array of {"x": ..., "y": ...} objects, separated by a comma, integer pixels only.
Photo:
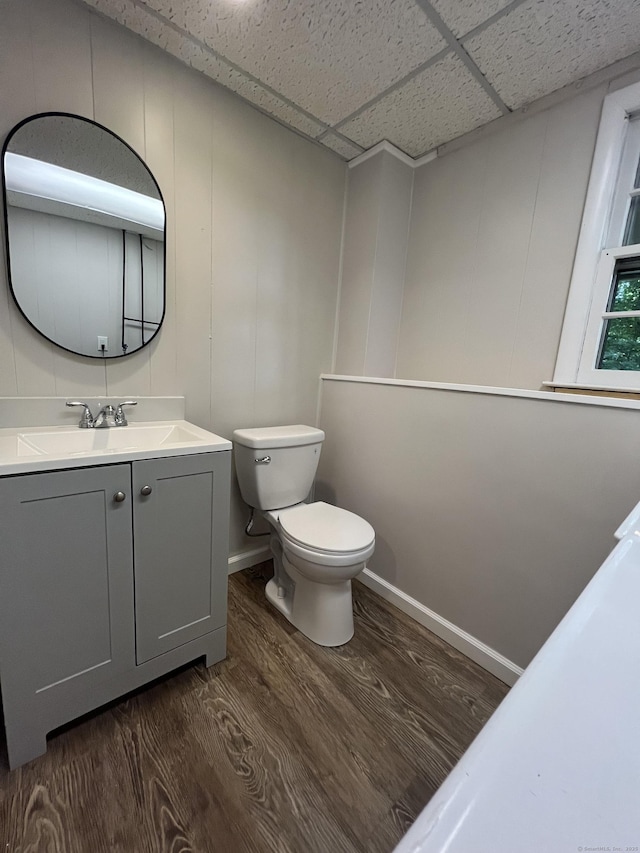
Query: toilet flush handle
[{"x": 263, "y": 460}]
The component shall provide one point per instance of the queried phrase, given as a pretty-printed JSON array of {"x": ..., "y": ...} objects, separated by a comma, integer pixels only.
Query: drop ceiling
[{"x": 418, "y": 73}]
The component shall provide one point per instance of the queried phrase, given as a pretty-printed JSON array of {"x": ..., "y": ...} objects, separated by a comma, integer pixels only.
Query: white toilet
[{"x": 317, "y": 548}]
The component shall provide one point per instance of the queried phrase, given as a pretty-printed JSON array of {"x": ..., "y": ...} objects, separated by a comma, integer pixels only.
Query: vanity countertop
[{"x": 31, "y": 449}]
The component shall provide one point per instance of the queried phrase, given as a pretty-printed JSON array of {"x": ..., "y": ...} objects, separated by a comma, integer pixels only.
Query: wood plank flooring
[{"x": 284, "y": 746}]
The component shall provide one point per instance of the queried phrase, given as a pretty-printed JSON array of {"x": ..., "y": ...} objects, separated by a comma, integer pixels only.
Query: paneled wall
[
  {"x": 493, "y": 236},
  {"x": 375, "y": 250},
  {"x": 254, "y": 218},
  {"x": 492, "y": 511}
]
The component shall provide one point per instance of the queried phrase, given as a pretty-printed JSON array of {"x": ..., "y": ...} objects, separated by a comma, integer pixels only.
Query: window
[
  {"x": 620, "y": 335},
  {"x": 600, "y": 344}
]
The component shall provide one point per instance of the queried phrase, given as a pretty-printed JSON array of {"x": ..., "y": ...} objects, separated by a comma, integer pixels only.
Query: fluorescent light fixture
[{"x": 36, "y": 185}]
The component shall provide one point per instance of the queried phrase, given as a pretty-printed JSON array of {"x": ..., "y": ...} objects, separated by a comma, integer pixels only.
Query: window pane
[
  {"x": 626, "y": 290},
  {"x": 620, "y": 345},
  {"x": 632, "y": 228}
]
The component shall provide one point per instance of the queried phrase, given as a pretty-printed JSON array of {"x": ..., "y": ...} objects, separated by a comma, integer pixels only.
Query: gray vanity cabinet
[{"x": 109, "y": 577}]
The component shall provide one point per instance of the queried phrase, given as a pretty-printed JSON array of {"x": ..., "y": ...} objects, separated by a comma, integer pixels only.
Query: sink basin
[
  {"x": 30, "y": 449},
  {"x": 72, "y": 441},
  {"x": 14, "y": 446}
]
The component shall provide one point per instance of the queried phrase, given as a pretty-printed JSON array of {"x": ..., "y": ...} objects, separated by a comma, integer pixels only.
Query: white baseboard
[
  {"x": 482, "y": 654},
  {"x": 250, "y": 557}
]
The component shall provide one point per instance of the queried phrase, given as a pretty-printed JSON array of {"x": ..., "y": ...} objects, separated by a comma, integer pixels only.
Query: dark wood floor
[{"x": 285, "y": 746}]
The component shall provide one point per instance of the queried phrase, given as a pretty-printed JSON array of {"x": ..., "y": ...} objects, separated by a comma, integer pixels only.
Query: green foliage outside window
[{"x": 620, "y": 348}]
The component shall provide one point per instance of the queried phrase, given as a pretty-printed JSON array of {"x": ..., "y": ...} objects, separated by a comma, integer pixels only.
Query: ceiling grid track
[
  {"x": 454, "y": 45},
  {"x": 397, "y": 85},
  {"x": 462, "y": 54}
]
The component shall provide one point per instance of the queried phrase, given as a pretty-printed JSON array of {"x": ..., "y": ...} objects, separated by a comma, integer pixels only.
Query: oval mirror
[{"x": 85, "y": 231}]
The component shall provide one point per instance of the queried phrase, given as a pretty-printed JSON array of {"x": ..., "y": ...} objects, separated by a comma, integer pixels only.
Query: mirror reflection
[{"x": 85, "y": 229}]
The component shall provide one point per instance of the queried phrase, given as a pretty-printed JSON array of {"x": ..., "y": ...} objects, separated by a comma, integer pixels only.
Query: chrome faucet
[
  {"x": 105, "y": 418},
  {"x": 108, "y": 416},
  {"x": 119, "y": 417},
  {"x": 86, "y": 419}
]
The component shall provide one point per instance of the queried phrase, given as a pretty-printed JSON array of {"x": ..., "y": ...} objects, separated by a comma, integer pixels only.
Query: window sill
[{"x": 593, "y": 390}]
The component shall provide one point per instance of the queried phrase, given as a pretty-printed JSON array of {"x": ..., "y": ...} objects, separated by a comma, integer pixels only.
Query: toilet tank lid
[{"x": 278, "y": 436}]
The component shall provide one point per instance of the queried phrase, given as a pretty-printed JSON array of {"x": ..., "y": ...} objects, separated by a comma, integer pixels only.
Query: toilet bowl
[
  {"x": 317, "y": 548},
  {"x": 320, "y": 548}
]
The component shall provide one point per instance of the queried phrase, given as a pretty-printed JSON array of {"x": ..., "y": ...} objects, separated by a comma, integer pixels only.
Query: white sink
[
  {"x": 72, "y": 441},
  {"x": 46, "y": 448}
]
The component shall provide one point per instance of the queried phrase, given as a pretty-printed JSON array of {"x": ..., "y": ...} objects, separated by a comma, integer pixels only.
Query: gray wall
[
  {"x": 493, "y": 511},
  {"x": 493, "y": 236},
  {"x": 254, "y": 218},
  {"x": 375, "y": 248},
  {"x": 489, "y": 250}
]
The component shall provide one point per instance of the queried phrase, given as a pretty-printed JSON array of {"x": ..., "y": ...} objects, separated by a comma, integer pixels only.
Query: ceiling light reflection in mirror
[{"x": 34, "y": 185}]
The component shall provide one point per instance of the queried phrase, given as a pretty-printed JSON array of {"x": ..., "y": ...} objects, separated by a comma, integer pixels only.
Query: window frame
[{"x": 589, "y": 289}]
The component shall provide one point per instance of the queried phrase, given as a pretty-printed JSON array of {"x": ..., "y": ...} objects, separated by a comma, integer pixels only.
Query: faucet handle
[
  {"x": 120, "y": 419},
  {"x": 86, "y": 419}
]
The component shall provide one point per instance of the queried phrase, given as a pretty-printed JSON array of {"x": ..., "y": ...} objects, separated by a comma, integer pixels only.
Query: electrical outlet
[{"x": 103, "y": 343}]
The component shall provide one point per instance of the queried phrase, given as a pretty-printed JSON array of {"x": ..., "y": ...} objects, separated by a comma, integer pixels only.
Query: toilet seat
[
  {"x": 326, "y": 534},
  {"x": 327, "y": 558}
]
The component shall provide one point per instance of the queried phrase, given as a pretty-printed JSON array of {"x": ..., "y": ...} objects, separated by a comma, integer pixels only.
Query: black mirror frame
[{"x": 10, "y": 135}]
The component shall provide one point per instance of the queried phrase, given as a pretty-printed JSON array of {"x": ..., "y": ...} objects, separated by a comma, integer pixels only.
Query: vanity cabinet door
[
  {"x": 66, "y": 588},
  {"x": 181, "y": 515}
]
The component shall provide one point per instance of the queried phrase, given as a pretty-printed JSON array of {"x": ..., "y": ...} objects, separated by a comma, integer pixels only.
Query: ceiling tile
[
  {"x": 544, "y": 44},
  {"x": 442, "y": 102},
  {"x": 462, "y": 16},
  {"x": 202, "y": 60},
  {"x": 140, "y": 21},
  {"x": 112, "y": 8},
  {"x": 341, "y": 146},
  {"x": 327, "y": 56}
]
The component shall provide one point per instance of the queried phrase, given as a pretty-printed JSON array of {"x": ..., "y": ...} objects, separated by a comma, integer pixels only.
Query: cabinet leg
[
  {"x": 24, "y": 744},
  {"x": 216, "y": 647}
]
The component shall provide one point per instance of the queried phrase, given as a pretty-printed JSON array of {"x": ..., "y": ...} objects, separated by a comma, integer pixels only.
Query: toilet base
[
  {"x": 280, "y": 602},
  {"x": 322, "y": 612}
]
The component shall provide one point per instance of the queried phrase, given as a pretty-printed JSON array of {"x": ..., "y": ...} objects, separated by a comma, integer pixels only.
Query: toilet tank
[{"x": 276, "y": 465}]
